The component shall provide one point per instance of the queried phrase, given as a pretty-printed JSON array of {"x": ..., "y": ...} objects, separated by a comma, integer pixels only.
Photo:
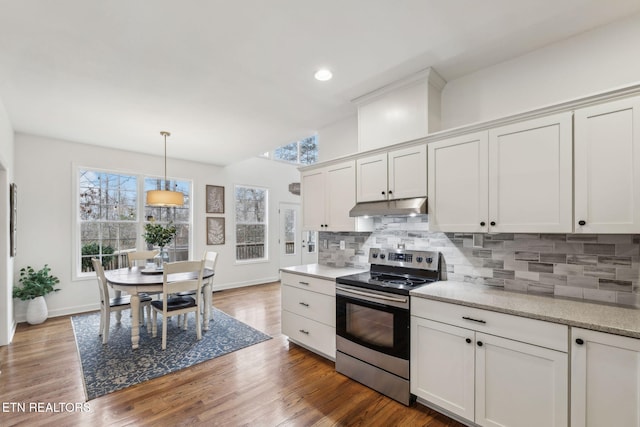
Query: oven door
[{"x": 376, "y": 320}]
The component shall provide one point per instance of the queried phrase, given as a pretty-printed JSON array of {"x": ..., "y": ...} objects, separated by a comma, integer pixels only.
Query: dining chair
[
  {"x": 210, "y": 259},
  {"x": 140, "y": 256},
  {"x": 174, "y": 305},
  {"x": 108, "y": 304}
]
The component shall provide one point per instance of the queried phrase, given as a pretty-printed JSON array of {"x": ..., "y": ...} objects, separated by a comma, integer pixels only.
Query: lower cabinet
[
  {"x": 489, "y": 368},
  {"x": 309, "y": 312},
  {"x": 605, "y": 379}
]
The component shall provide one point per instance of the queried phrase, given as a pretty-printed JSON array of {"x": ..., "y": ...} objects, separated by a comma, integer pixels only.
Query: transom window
[
  {"x": 109, "y": 221},
  {"x": 251, "y": 207},
  {"x": 304, "y": 152}
]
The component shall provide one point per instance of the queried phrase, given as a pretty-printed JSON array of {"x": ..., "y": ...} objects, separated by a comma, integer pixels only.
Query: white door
[
  {"x": 290, "y": 235},
  {"x": 458, "y": 184},
  {"x": 519, "y": 384},
  {"x": 309, "y": 247},
  {"x": 531, "y": 176},
  {"x": 605, "y": 379},
  {"x": 607, "y": 168},
  {"x": 442, "y": 365},
  {"x": 372, "y": 178},
  {"x": 408, "y": 172}
]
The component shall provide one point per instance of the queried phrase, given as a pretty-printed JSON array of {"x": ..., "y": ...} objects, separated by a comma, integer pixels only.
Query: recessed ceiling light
[{"x": 323, "y": 75}]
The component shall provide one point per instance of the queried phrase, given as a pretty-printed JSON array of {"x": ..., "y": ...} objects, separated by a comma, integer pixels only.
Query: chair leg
[
  {"x": 198, "y": 325},
  {"x": 184, "y": 322},
  {"x": 107, "y": 326},
  {"x": 101, "y": 323},
  {"x": 154, "y": 324},
  {"x": 148, "y": 318},
  {"x": 164, "y": 333}
]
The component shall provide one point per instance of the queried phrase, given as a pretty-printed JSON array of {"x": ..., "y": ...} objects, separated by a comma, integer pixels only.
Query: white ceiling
[{"x": 232, "y": 79}]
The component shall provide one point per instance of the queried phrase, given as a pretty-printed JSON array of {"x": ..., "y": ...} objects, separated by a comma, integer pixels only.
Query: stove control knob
[
  {"x": 419, "y": 259},
  {"x": 374, "y": 255},
  {"x": 382, "y": 256},
  {"x": 429, "y": 260}
]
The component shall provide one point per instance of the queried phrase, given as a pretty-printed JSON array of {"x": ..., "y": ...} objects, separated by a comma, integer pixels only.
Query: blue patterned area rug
[{"x": 116, "y": 365}]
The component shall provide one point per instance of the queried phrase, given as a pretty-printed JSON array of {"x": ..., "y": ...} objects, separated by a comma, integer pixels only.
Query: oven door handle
[{"x": 370, "y": 295}]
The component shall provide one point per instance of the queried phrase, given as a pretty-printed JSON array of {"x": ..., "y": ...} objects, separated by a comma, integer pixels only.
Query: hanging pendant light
[{"x": 165, "y": 197}]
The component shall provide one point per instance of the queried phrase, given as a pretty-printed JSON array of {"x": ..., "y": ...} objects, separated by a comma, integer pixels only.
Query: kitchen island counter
[{"x": 322, "y": 271}]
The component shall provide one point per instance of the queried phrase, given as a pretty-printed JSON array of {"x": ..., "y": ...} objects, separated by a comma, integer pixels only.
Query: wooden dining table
[{"x": 138, "y": 280}]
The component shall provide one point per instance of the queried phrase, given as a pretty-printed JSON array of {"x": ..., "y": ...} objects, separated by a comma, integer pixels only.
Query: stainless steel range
[{"x": 373, "y": 318}]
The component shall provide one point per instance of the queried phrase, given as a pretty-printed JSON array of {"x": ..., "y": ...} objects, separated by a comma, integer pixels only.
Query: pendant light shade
[{"x": 166, "y": 198}]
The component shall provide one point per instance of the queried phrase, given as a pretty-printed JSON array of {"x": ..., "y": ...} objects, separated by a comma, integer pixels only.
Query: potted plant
[
  {"x": 159, "y": 235},
  {"x": 35, "y": 285}
]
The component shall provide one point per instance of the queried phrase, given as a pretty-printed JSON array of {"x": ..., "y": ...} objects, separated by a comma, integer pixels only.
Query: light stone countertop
[
  {"x": 323, "y": 271},
  {"x": 615, "y": 319}
]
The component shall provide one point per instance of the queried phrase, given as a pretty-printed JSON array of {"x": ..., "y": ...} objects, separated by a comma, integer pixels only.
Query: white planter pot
[{"x": 37, "y": 311}]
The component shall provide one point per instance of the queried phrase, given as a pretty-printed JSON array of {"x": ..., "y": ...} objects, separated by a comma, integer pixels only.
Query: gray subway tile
[
  {"x": 599, "y": 295},
  {"x": 582, "y": 238},
  {"x": 553, "y": 279},
  {"x": 493, "y": 263},
  {"x": 568, "y": 292},
  {"x": 615, "y": 260},
  {"x": 527, "y": 256},
  {"x": 580, "y": 259},
  {"x": 482, "y": 253},
  {"x": 600, "y": 272},
  {"x": 503, "y": 274},
  {"x": 600, "y": 248},
  {"x": 541, "y": 267},
  {"x": 615, "y": 285},
  {"x": 582, "y": 281},
  {"x": 554, "y": 258}
]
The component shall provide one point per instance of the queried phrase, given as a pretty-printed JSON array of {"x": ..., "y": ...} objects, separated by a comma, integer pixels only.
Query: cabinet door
[
  {"x": 442, "y": 365},
  {"x": 313, "y": 196},
  {"x": 340, "y": 196},
  {"x": 605, "y": 380},
  {"x": 530, "y": 176},
  {"x": 407, "y": 170},
  {"x": 458, "y": 184},
  {"x": 607, "y": 168},
  {"x": 372, "y": 178},
  {"x": 519, "y": 384}
]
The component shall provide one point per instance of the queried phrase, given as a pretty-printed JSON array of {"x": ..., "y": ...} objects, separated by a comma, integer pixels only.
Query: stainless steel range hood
[{"x": 414, "y": 206}]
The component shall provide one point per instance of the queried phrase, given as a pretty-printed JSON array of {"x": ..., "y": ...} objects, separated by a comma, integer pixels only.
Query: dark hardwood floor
[{"x": 274, "y": 383}]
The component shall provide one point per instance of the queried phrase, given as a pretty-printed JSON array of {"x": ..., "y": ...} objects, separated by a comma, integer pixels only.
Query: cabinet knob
[
  {"x": 492, "y": 223},
  {"x": 468, "y": 340},
  {"x": 383, "y": 193},
  {"x": 579, "y": 341},
  {"x": 390, "y": 192},
  {"x": 582, "y": 222},
  {"x": 479, "y": 343},
  {"x": 482, "y": 223}
]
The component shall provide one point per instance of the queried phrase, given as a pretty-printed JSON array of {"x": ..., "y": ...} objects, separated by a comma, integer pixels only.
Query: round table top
[{"x": 133, "y": 276}]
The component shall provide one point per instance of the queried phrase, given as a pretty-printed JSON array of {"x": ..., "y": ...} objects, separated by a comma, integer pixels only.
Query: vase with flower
[{"x": 159, "y": 235}]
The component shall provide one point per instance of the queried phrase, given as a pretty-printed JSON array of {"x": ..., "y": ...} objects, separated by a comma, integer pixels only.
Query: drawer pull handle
[
  {"x": 473, "y": 320},
  {"x": 579, "y": 341},
  {"x": 304, "y": 283},
  {"x": 304, "y": 304},
  {"x": 304, "y": 332}
]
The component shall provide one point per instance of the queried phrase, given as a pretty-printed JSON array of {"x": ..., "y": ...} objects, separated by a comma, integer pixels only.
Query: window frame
[
  {"x": 76, "y": 263},
  {"x": 265, "y": 258}
]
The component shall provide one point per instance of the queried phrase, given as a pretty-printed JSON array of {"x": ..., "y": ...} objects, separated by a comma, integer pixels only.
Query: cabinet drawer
[
  {"x": 536, "y": 332},
  {"x": 314, "y": 335},
  {"x": 323, "y": 286},
  {"x": 315, "y": 306}
]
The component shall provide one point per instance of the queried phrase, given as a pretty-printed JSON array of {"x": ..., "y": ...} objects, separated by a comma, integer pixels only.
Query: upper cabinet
[
  {"x": 607, "y": 167},
  {"x": 328, "y": 194},
  {"x": 398, "y": 174},
  {"x": 515, "y": 178}
]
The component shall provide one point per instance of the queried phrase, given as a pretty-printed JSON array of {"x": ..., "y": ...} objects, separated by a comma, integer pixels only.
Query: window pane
[
  {"x": 287, "y": 152},
  {"x": 309, "y": 150},
  {"x": 251, "y": 217}
]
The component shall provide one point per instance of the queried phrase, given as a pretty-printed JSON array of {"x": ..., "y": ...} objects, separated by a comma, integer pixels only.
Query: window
[
  {"x": 109, "y": 220},
  {"x": 303, "y": 152},
  {"x": 251, "y": 206}
]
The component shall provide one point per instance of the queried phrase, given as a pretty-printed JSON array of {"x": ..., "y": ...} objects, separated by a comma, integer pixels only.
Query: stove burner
[{"x": 391, "y": 279}]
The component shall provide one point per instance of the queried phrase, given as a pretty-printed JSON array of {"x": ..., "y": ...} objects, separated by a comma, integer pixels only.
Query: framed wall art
[
  {"x": 215, "y": 199},
  {"x": 13, "y": 218},
  {"x": 215, "y": 231}
]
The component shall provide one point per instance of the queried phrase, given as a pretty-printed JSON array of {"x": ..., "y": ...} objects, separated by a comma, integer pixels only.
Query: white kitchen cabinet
[
  {"x": 515, "y": 178},
  {"x": 607, "y": 167},
  {"x": 328, "y": 193},
  {"x": 458, "y": 178},
  {"x": 605, "y": 379},
  {"x": 489, "y": 368},
  {"x": 309, "y": 312},
  {"x": 397, "y": 174}
]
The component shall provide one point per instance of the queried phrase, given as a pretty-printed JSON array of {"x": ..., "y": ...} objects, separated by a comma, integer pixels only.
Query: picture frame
[
  {"x": 215, "y": 231},
  {"x": 215, "y": 199},
  {"x": 13, "y": 219}
]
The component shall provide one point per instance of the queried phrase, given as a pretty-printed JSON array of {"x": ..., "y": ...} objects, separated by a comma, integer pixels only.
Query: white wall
[
  {"x": 7, "y": 324},
  {"x": 338, "y": 139},
  {"x": 591, "y": 62},
  {"x": 44, "y": 173}
]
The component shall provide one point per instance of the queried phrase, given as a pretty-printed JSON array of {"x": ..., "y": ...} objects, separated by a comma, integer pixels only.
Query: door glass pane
[{"x": 289, "y": 231}]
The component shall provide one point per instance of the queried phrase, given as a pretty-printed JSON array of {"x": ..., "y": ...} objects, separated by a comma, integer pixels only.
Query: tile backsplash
[{"x": 600, "y": 267}]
